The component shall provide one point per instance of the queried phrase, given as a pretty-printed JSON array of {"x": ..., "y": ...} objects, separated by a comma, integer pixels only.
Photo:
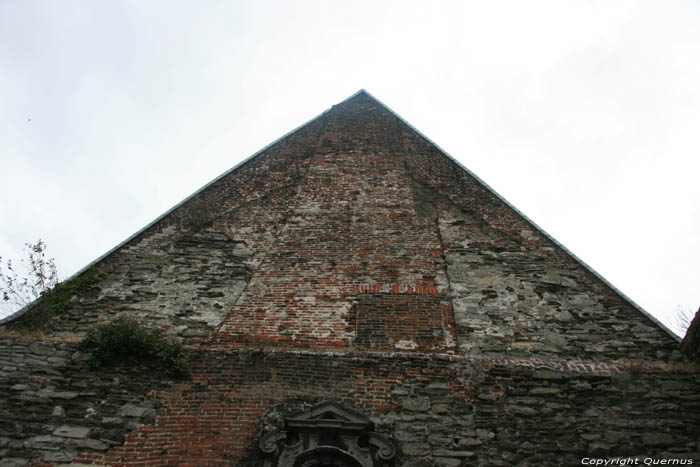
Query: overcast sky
[{"x": 585, "y": 115}]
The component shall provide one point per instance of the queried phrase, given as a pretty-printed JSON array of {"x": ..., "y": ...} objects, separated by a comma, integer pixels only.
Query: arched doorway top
[
  {"x": 326, "y": 435},
  {"x": 326, "y": 456}
]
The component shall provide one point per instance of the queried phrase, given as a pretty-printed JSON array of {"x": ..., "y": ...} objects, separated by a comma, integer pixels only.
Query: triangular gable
[{"x": 199, "y": 197}]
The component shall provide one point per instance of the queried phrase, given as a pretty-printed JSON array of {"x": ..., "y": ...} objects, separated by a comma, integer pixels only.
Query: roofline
[
  {"x": 25, "y": 308},
  {"x": 652, "y": 318}
]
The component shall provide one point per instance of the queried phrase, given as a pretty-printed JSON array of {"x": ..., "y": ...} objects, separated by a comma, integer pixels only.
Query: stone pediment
[
  {"x": 329, "y": 415},
  {"x": 327, "y": 434}
]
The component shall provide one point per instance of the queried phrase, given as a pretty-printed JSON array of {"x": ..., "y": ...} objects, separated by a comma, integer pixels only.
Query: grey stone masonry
[{"x": 54, "y": 406}]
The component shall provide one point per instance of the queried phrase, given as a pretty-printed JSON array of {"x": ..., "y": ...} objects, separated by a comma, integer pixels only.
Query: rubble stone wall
[
  {"x": 445, "y": 411},
  {"x": 54, "y": 405}
]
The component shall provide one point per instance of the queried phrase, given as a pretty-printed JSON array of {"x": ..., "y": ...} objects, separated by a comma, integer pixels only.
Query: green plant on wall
[
  {"x": 125, "y": 339},
  {"x": 54, "y": 302}
]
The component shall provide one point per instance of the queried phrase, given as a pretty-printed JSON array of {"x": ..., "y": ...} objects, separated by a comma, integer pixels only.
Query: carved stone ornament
[{"x": 326, "y": 435}]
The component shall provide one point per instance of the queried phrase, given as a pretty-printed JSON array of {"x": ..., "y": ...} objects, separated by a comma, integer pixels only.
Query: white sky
[{"x": 585, "y": 115}]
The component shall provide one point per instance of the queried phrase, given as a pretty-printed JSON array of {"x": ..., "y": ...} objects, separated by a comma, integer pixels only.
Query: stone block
[
  {"x": 544, "y": 391},
  {"x": 447, "y": 461},
  {"x": 80, "y": 356},
  {"x": 598, "y": 449},
  {"x": 448, "y": 453},
  {"x": 93, "y": 444},
  {"x": 112, "y": 421},
  {"x": 59, "y": 456},
  {"x": 657, "y": 439},
  {"x": 13, "y": 462},
  {"x": 485, "y": 434},
  {"x": 522, "y": 409},
  {"x": 65, "y": 395},
  {"x": 469, "y": 442},
  {"x": 416, "y": 449},
  {"x": 131, "y": 410},
  {"x": 563, "y": 316},
  {"x": 546, "y": 374},
  {"x": 44, "y": 442},
  {"x": 72, "y": 431},
  {"x": 418, "y": 404},
  {"x": 439, "y": 440}
]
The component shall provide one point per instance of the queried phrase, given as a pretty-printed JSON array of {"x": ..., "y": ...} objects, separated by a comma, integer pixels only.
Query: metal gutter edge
[{"x": 652, "y": 318}]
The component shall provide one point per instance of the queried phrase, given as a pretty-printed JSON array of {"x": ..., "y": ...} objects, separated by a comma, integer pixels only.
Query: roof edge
[
  {"x": 649, "y": 316},
  {"x": 24, "y": 309}
]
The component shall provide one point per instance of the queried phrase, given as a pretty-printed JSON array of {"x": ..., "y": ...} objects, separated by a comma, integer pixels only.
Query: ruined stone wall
[
  {"x": 54, "y": 406},
  {"x": 441, "y": 411},
  {"x": 446, "y": 410},
  {"x": 353, "y": 262}
]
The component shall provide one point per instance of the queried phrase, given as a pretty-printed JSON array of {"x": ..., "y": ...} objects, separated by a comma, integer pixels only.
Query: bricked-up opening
[{"x": 403, "y": 322}]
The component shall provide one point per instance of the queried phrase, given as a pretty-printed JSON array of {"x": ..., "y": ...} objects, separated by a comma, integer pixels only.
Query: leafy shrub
[{"x": 124, "y": 338}]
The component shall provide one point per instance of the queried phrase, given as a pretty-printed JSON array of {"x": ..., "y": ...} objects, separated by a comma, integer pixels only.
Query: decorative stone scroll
[{"x": 327, "y": 435}]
